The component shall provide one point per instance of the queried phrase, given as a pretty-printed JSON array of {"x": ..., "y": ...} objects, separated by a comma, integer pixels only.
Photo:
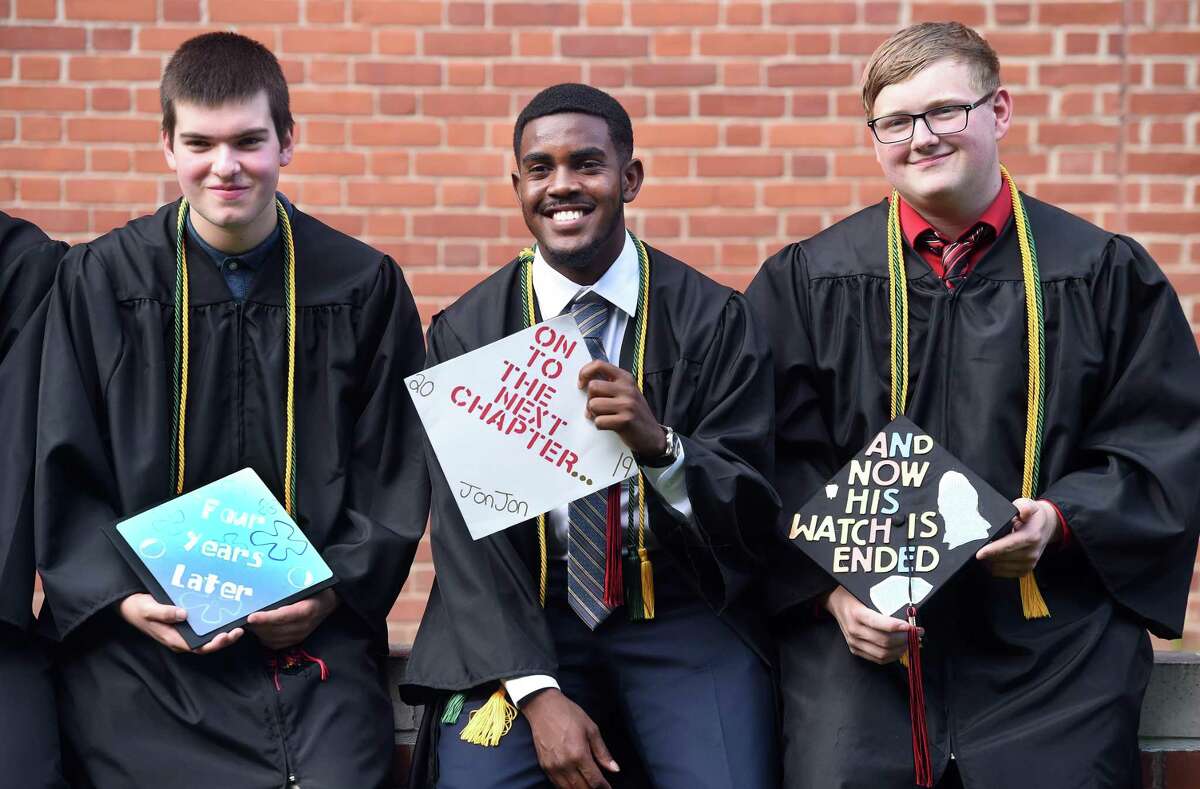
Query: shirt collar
[
  {"x": 618, "y": 286},
  {"x": 251, "y": 259},
  {"x": 912, "y": 224}
]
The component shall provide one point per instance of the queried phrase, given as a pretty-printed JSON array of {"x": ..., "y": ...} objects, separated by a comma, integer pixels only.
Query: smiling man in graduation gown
[
  {"x": 296, "y": 697},
  {"x": 28, "y": 728},
  {"x": 677, "y": 663},
  {"x": 1025, "y": 326}
]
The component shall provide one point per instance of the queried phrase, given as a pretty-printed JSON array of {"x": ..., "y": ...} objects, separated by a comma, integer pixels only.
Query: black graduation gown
[
  {"x": 28, "y": 728},
  {"x": 1047, "y": 703},
  {"x": 708, "y": 375},
  {"x": 135, "y": 714}
]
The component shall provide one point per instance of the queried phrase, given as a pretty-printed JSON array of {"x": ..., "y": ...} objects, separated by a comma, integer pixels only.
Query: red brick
[
  {"x": 535, "y": 14},
  {"x": 816, "y": 135},
  {"x": 604, "y": 45},
  {"x": 1163, "y": 163},
  {"x": 40, "y": 127},
  {"x": 255, "y": 11},
  {"x": 674, "y": 74},
  {"x": 112, "y": 130},
  {"x": 1013, "y": 13},
  {"x": 1080, "y": 13},
  {"x": 1164, "y": 103},
  {"x": 759, "y": 44},
  {"x": 126, "y": 69},
  {"x": 325, "y": 11},
  {"x": 166, "y": 39},
  {"x": 1009, "y": 44},
  {"x": 331, "y": 102},
  {"x": 473, "y": 45},
  {"x": 398, "y": 104},
  {"x": 661, "y": 165},
  {"x": 1164, "y": 43},
  {"x": 407, "y": 73},
  {"x": 1167, "y": 222},
  {"x": 675, "y": 135},
  {"x": 327, "y": 40},
  {"x": 112, "y": 38},
  {"x": 742, "y": 105},
  {"x": 22, "y": 97},
  {"x": 1168, "y": 134},
  {"x": 392, "y": 12},
  {"x": 1170, "y": 74},
  {"x": 36, "y": 9},
  {"x": 812, "y": 195},
  {"x": 732, "y": 226},
  {"x": 33, "y": 37},
  {"x": 744, "y": 14},
  {"x": 1078, "y": 133},
  {"x": 108, "y": 190},
  {"x": 743, "y": 134},
  {"x": 465, "y": 104},
  {"x": 732, "y": 166},
  {"x": 810, "y": 105},
  {"x": 389, "y": 163},
  {"x": 806, "y": 166},
  {"x": 329, "y": 72},
  {"x": 456, "y": 226},
  {"x": 809, "y": 74},
  {"x": 311, "y": 162},
  {"x": 112, "y": 100},
  {"x": 813, "y": 13},
  {"x": 470, "y": 74},
  {"x": 534, "y": 75},
  {"x": 40, "y": 190},
  {"x": 474, "y": 14},
  {"x": 606, "y": 76},
  {"x": 181, "y": 10},
  {"x": 110, "y": 161},
  {"x": 57, "y": 220},
  {"x": 395, "y": 133},
  {"x": 483, "y": 165},
  {"x": 668, "y": 45},
  {"x": 967, "y": 13},
  {"x": 116, "y": 10},
  {"x": 39, "y": 68},
  {"x": 460, "y": 195},
  {"x": 881, "y": 13},
  {"x": 605, "y": 14},
  {"x": 397, "y": 42},
  {"x": 1084, "y": 192},
  {"x": 742, "y": 74},
  {"x": 673, "y": 14},
  {"x": 1080, "y": 74},
  {"x": 853, "y": 43},
  {"x": 535, "y": 44}
]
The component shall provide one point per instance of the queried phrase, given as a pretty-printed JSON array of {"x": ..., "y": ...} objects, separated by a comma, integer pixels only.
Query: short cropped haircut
[
  {"x": 917, "y": 47},
  {"x": 573, "y": 97},
  {"x": 216, "y": 68}
]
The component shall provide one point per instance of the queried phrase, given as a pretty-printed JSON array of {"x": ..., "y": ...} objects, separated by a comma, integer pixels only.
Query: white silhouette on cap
[{"x": 958, "y": 504}]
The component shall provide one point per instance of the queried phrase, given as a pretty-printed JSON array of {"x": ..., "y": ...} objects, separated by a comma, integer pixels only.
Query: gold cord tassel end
[{"x": 490, "y": 722}]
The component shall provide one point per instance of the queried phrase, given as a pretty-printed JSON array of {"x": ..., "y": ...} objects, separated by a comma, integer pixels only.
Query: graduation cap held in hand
[{"x": 893, "y": 526}]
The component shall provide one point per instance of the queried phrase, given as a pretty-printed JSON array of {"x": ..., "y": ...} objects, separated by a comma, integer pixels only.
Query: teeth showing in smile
[{"x": 566, "y": 216}]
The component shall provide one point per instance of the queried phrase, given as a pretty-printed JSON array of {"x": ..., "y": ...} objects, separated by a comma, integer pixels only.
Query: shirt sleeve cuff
[
  {"x": 671, "y": 484},
  {"x": 1064, "y": 531},
  {"x": 520, "y": 688}
]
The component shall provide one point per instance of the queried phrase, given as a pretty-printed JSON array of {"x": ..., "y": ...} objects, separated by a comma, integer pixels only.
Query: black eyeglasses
[{"x": 900, "y": 127}]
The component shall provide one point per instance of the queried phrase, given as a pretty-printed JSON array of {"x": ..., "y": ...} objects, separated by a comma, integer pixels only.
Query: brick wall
[{"x": 746, "y": 114}]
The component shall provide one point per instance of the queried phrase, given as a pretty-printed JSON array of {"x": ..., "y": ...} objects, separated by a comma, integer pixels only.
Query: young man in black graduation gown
[
  {"x": 28, "y": 726},
  {"x": 1012, "y": 701},
  {"x": 296, "y": 698},
  {"x": 690, "y": 687}
]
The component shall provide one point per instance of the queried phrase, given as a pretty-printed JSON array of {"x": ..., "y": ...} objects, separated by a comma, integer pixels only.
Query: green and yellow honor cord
[
  {"x": 181, "y": 329},
  {"x": 1033, "y": 605},
  {"x": 495, "y": 717}
]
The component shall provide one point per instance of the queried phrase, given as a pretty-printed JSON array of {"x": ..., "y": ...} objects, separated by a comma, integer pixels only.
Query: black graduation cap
[{"x": 899, "y": 520}]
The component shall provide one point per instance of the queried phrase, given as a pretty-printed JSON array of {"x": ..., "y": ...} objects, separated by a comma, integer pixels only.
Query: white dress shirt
[{"x": 619, "y": 287}]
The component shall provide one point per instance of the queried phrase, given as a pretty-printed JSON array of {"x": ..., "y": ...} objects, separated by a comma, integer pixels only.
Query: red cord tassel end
[
  {"x": 614, "y": 584},
  {"x": 922, "y": 762}
]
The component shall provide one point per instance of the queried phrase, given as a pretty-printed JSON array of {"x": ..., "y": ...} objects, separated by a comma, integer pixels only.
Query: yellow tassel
[
  {"x": 904, "y": 660},
  {"x": 1033, "y": 605},
  {"x": 647, "y": 583},
  {"x": 490, "y": 722}
]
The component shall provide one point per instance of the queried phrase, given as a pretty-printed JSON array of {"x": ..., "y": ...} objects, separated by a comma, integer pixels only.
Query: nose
[
  {"x": 923, "y": 136},
  {"x": 563, "y": 182},
  {"x": 225, "y": 162}
]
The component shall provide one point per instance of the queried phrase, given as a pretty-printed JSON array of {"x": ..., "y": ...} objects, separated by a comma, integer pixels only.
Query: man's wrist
[{"x": 665, "y": 456}]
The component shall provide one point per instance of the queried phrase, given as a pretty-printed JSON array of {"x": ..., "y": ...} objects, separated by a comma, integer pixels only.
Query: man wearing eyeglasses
[{"x": 1035, "y": 341}]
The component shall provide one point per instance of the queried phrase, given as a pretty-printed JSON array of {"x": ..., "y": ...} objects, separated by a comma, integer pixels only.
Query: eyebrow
[
  {"x": 234, "y": 136},
  {"x": 581, "y": 153}
]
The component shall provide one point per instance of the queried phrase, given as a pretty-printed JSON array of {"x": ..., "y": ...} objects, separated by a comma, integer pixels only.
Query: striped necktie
[
  {"x": 588, "y": 516},
  {"x": 956, "y": 256}
]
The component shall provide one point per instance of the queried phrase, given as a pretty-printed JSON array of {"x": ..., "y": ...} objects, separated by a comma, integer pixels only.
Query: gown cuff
[
  {"x": 1064, "y": 531},
  {"x": 520, "y": 688}
]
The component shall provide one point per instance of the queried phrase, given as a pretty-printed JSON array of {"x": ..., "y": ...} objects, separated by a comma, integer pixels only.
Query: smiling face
[
  {"x": 227, "y": 160},
  {"x": 952, "y": 173},
  {"x": 573, "y": 185}
]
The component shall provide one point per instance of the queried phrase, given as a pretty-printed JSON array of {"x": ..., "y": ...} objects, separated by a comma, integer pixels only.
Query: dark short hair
[
  {"x": 573, "y": 97},
  {"x": 216, "y": 68}
]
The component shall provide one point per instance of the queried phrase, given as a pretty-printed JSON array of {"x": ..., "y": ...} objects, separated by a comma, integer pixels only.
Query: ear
[
  {"x": 1002, "y": 107},
  {"x": 287, "y": 147},
  {"x": 516, "y": 182},
  {"x": 168, "y": 149},
  {"x": 632, "y": 176}
]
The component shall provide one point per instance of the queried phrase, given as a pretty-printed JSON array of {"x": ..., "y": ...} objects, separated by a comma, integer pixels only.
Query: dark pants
[
  {"x": 695, "y": 702},
  {"x": 29, "y": 744}
]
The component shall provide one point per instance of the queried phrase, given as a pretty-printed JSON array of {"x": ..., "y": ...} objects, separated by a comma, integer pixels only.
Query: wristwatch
[{"x": 669, "y": 455}]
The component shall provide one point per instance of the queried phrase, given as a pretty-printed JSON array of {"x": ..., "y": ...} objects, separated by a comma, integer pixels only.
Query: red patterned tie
[{"x": 956, "y": 256}]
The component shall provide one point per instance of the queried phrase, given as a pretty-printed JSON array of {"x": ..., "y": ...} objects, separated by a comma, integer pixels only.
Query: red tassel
[
  {"x": 922, "y": 762},
  {"x": 614, "y": 585}
]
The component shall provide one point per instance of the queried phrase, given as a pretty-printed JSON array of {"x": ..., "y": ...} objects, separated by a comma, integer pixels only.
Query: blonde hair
[{"x": 916, "y": 47}]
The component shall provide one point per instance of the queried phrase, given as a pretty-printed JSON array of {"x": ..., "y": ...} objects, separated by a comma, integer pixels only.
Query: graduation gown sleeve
[
  {"x": 728, "y": 458},
  {"x": 804, "y": 452},
  {"x": 386, "y": 502},
  {"x": 483, "y": 621},
  {"x": 1130, "y": 496},
  {"x": 75, "y": 488}
]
